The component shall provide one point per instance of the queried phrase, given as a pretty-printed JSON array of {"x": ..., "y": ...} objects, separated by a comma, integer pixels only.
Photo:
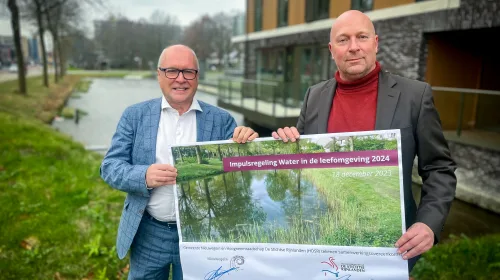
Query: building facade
[{"x": 448, "y": 43}]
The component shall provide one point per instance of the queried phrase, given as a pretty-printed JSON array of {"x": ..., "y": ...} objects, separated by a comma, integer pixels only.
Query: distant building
[
  {"x": 30, "y": 43},
  {"x": 239, "y": 24}
]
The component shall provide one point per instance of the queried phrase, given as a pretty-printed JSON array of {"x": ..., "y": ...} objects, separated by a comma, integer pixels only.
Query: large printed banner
[{"x": 328, "y": 206}]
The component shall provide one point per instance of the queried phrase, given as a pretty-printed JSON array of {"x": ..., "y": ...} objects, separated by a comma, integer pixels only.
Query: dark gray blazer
[{"x": 406, "y": 105}]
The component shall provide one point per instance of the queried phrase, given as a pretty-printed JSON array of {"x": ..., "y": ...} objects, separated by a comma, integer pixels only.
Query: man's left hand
[
  {"x": 417, "y": 240},
  {"x": 243, "y": 134}
]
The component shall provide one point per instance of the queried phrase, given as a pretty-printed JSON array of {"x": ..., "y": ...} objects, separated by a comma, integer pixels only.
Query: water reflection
[
  {"x": 104, "y": 104},
  {"x": 227, "y": 206}
]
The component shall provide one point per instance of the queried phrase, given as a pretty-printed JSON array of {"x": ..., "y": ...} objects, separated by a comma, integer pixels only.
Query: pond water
[
  {"x": 104, "y": 104},
  {"x": 227, "y": 205}
]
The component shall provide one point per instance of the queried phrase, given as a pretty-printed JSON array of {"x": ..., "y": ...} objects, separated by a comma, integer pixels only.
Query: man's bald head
[
  {"x": 177, "y": 50},
  {"x": 352, "y": 17}
]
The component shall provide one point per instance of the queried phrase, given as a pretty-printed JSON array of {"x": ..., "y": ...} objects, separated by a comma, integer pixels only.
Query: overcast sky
[{"x": 185, "y": 10}]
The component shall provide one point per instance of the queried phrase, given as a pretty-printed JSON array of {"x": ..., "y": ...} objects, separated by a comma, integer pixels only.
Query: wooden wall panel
[
  {"x": 269, "y": 14},
  {"x": 296, "y": 12},
  {"x": 337, "y": 7},
  {"x": 380, "y": 4}
]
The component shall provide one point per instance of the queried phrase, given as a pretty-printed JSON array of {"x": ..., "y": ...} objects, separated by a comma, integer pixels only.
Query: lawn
[
  {"x": 190, "y": 171},
  {"x": 58, "y": 218},
  {"x": 41, "y": 103},
  {"x": 367, "y": 209}
]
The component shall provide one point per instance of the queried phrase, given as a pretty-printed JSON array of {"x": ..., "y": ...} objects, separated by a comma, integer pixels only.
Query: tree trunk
[
  {"x": 198, "y": 154},
  {"x": 219, "y": 152},
  {"x": 62, "y": 49},
  {"x": 56, "y": 51},
  {"x": 21, "y": 74},
  {"x": 55, "y": 57},
  {"x": 41, "y": 31}
]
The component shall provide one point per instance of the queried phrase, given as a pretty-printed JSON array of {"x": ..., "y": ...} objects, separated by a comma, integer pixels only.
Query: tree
[
  {"x": 37, "y": 9},
  {"x": 62, "y": 18},
  {"x": 199, "y": 36},
  {"x": 21, "y": 74},
  {"x": 223, "y": 33},
  {"x": 199, "y": 157},
  {"x": 122, "y": 40}
]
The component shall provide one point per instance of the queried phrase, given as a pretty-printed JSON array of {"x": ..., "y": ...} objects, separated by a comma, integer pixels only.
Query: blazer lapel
[
  {"x": 151, "y": 129},
  {"x": 387, "y": 101},
  {"x": 326, "y": 99}
]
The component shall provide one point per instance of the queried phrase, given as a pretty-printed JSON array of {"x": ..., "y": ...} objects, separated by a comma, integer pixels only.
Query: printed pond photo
[{"x": 343, "y": 206}]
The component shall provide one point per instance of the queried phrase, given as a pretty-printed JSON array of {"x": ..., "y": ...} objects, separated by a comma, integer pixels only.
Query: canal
[{"x": 107, "y": 98}]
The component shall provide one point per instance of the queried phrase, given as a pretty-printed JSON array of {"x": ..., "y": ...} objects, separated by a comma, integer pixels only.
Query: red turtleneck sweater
[{"x": 355, "y": 104}]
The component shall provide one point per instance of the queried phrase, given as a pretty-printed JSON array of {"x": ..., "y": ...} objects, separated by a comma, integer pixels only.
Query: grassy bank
[
  {"x": 365, "y": 209},
  {"x": 41, "y": 103},
  {"x": 58, "y": 218},
  {"x": 461, "y": 258},
  {"x": 189, "y": 171}
]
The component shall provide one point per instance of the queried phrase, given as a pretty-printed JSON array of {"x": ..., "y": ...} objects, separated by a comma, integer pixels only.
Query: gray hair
[{"x": 195, "y": 57}]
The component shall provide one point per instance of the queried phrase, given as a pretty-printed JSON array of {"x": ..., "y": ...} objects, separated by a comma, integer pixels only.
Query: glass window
[
  {"x": 282, "y": 13},
  {"x": 317, "y": 9},
  {"x": 362, "y": 5},
  {"x": 258, "y": 15},
  {"x": 272, "y": 64}
]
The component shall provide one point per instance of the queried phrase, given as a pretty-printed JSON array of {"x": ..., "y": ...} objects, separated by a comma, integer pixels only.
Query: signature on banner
[
  {"x": 235, "y": 264},
  {"x": 334, "y": 270}
]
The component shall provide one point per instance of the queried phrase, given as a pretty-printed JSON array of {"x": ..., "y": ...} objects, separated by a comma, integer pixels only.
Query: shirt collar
[{"x": 195, "y": 105}]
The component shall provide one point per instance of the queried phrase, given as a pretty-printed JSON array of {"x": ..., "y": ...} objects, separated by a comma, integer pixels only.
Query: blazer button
[{"x": 141, "y": 211}]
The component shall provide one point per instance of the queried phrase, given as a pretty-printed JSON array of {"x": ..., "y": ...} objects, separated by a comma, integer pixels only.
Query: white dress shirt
[{"x": 172, "y": 129}]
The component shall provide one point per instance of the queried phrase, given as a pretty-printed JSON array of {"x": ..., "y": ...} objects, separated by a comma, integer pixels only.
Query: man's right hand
[
  {"x": 159, "y": 175},
  {"x": 286, "y": 133}
]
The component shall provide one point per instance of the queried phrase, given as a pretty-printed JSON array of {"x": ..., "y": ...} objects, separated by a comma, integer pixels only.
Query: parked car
[{"x": 13, "y": 68}]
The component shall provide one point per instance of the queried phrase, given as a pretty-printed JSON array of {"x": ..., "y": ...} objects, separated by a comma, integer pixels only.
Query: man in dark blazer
[
  {"x": 139, "y": 162},
  {"x": 363, "y": 97}
]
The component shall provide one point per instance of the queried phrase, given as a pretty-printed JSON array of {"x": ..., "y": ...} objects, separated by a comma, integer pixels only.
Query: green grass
[
  {"x": 58, "y": 217},
  {"x": 83, "y": 86},
  {"x": 41, "y": 103},
  {"x": 461, "y": 258},
  {"x": 191, "y": 171},
  {"x": 367, "y": 209},
  {"x": 68, "y": 112}
]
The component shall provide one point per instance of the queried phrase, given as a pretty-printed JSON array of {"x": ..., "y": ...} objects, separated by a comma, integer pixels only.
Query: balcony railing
[
  {"x": 467, "y": 94},
  {"x": 279, "y": 99}
]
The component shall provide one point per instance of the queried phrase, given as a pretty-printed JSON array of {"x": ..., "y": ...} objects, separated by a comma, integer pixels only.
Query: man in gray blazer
[
  {"x": 363, "y": 97},
  {"x": 139, "y": 162}
]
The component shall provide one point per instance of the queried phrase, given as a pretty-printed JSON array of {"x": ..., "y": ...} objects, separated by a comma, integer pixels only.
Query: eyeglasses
[{"x": 173, "y": 73}]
